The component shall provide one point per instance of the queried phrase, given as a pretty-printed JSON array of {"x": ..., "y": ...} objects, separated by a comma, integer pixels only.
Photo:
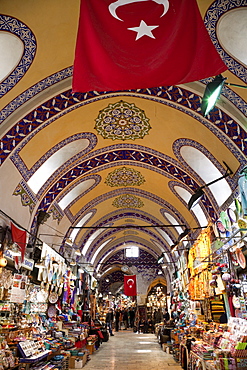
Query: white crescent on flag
[
  {"x": 130, "y": 282},
  {"x": 113, "y": 6}
]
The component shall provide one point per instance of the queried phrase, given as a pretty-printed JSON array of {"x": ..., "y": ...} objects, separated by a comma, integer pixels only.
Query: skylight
[
  {"x": 208, "y": 172},
  {"x": 79, "y": 224},
  {"x": 54, "y": 162},
  {"x": 91, "y": 239},
  {"x": 233, "y": 38},
  {"x": 186, "y": 195},
  {"x": 99, "y": 249},
  {"x": 75, "y": 192},
  {"x": 132, "y": 251},
  {"x": 11, "y": 51},
  {"x": 173, "y": 221}
]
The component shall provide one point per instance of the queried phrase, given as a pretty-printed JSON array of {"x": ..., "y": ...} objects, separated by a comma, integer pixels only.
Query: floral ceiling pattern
[
  {"x": 128, "y": 201},
  {"x": 123, "y": 121},
  {"x": 124, "y": 176}
]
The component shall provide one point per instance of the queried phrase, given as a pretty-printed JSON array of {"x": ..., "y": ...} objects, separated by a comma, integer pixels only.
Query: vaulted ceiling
[{"x": 107, "y": 186}]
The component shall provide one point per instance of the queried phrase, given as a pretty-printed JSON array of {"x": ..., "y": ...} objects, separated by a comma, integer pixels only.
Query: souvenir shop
[
  {"x": 47, "y": 312},
  {"x": 208, "y": 303}
]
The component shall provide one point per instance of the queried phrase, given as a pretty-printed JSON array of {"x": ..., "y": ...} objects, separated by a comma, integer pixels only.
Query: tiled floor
[{"x": 131, "y": 351}]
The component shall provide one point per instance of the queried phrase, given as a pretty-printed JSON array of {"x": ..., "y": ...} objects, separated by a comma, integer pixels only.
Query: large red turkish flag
[
  {"x": 130, "y": 285},
  {"x": 131, "y": 44}
]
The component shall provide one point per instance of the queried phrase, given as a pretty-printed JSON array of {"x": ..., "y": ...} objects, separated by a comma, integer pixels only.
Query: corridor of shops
[{"x": 131, "y": 351}]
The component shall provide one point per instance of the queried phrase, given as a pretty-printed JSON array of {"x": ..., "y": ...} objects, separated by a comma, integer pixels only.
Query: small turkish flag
[
  {"x": 19, "y": 236},
  {"x": 130, "y": 285}
]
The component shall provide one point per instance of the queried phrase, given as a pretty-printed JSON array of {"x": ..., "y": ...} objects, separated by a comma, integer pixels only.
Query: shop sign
[
  {"x": 27, "y": 263},
  {"x": 18, "y": 291}
]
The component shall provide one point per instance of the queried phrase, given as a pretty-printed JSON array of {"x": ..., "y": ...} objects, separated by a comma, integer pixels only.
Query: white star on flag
[{"x": 143, "y": 30}]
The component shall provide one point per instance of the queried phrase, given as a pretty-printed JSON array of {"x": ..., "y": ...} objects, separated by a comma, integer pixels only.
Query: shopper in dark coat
[
  {"x": 166, "y": 315},
  {"x": 132, "y": 317},
  {"x": 109, "y": 321},
  {"x": 117, "y": 319},
  {"x": 159, "y": 316},
  {"x": 125, "y": 319}
]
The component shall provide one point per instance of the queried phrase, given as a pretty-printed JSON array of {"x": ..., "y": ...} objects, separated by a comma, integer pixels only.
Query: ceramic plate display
[
  {"x": 221, "y": 228},
  {"x": 240, "y": 258},
  {"x": 232, "y": 215},
  {"x": 225, "y": 220},
  {"x": 238, "y": 207},
  {"x": 53, "y": 297},
  {"x": 235, "y": 302},
  {"x": 242, "y": 224},
  {"x": 51, "y": 311}
]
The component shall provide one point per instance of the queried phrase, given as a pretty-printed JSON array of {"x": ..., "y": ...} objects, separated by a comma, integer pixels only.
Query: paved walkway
[{"x": 131, "y": 351}]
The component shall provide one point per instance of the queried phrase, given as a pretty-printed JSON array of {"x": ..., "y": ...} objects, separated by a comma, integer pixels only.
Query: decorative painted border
[
  {"x": 140, "y": 192},
  {"x": 220, "y": 123},
  {"x": 111, "y": 232},
  {"x": 75, "y": 219},
  {"x": 145, "y": 259},
  {"x": 113, "y": 217},
  {"x": 26, "y": 194},
  {"x": 33, "y": 91},
  {"x": 211, "y": 18},
  {"x": 113, "y": 156},
  {"x": 117, "y": 245},
  {"x": 56, "y": 212},
  {"x": 13, "y": 25}
]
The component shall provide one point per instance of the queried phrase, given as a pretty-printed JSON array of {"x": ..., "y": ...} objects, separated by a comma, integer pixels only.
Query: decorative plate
[
  {"x": 242, "y": 224},
  {"x": 232, "y": 215},
  {"x": 238, "y": 206},
  {"x": 53, "y": 297},
  {"x": 225, "y": 220},
  {"x": 220, "y": 227},
  {"x": 240, "y": 258},
  {"x": 51, "y": 311}
]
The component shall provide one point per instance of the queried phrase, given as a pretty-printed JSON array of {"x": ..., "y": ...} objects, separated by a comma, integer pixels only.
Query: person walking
[
  {"x": 109, "y": 321},
  {"x": 159, "y": 316},
  {"x": 125, "y": 319},
  {"x": 132, "y": 317},
  {"x": 166, "y": 315},
  {"x": 117, "y": 319}
]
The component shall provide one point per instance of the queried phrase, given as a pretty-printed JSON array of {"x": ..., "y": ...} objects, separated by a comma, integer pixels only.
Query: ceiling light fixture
[
  {"x": 161, "y": 258},
  {"x": 78, "y": 252},
  {"x": 195, "y": 198},
  {"x": 212, "y": 93}
]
